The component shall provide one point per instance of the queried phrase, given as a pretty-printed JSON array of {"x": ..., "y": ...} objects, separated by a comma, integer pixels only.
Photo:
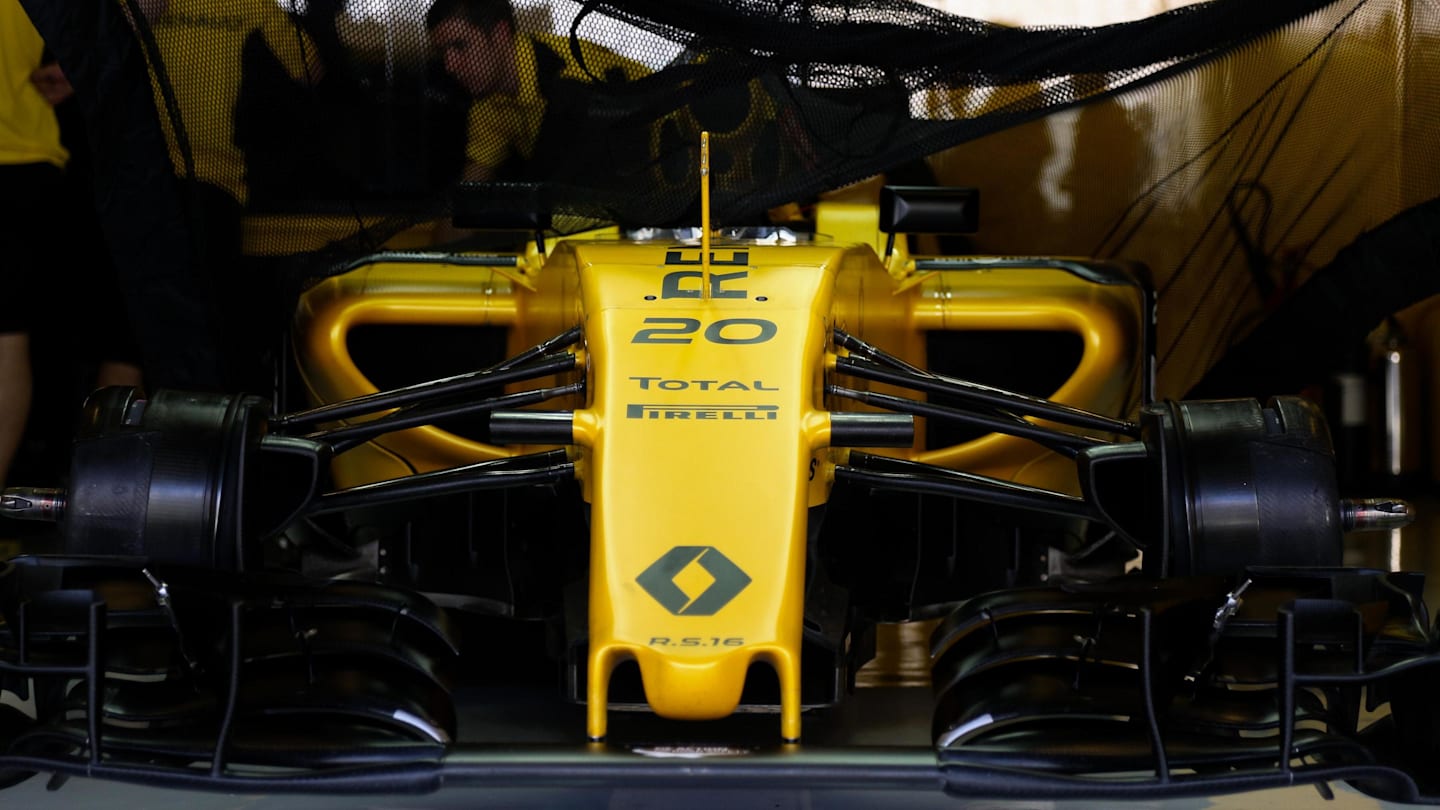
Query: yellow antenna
[{"x": 705, "y": 216}]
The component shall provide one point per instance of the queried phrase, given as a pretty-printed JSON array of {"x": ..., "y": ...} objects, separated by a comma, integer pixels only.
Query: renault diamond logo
[{"x": 693, "y": 580}]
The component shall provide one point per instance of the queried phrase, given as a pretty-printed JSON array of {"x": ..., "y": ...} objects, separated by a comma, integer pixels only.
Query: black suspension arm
[
  {"x": 343, "y": 438},
  {"x": 855, "y": 345},
  {"x": 543, "y": 351},
  {"x": 1068, "y": 444},
  {"x": 563, "y": 340},
  {"x": 880, "y": 472},
  {"x": 549, "y": 467},
  {"x": 985, "y": 396},
  {"x": 436, "y": 389}
]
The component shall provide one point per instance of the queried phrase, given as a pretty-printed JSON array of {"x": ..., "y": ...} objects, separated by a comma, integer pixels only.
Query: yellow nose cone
[{"x": 700, "y": 689}]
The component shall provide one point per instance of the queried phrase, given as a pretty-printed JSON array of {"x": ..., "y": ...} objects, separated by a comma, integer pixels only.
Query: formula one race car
[{"x": 697, "y": 478}]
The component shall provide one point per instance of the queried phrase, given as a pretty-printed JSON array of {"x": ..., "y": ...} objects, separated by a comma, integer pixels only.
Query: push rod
[
  {"x": 435, "y": 389},
  {"x": 898, "y": 475},
  {"x": 538, "y": 468},
  {"x": 984, "y": 395},
  {"x": 344, "y": 438},
  {"x": 1068, "y": 444},
  {"x": 855, "y": 345},
  {"x": 564, "y": 340}
]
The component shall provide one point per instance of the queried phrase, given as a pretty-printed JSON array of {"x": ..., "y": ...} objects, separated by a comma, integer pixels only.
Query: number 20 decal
[{"x": 728, "y": 331}]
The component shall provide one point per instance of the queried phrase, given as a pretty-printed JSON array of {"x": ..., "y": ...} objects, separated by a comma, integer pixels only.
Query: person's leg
[
  {"x": 96, "y": 317},
  {"x": 26, "y": 208},
  {"x": 14, "y": 395}
]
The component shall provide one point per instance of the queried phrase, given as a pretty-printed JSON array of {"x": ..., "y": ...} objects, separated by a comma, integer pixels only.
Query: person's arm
[
  {"x": 50, "y": 80},
  {"x": 487, "y": 142}
]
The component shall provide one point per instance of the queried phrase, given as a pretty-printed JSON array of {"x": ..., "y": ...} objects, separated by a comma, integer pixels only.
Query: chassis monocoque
[{"x": 689, "y": 490}]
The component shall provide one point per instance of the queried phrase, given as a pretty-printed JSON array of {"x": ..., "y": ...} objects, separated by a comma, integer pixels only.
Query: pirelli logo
[{"x": 703, "y": 413}]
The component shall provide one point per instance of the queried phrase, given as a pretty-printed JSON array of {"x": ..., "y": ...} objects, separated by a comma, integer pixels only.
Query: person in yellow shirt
[
  {"x": 32, "y": 164},
  {"x": 517, "y": 81},
  {"x": 544, "y": 108}
]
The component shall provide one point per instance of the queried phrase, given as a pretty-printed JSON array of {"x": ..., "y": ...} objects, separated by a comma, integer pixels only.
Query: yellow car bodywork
[{"x": 704, "y": 436}]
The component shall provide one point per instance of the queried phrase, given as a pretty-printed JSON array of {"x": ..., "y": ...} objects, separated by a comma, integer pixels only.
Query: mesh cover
[{"x": 1234, "y": 146}]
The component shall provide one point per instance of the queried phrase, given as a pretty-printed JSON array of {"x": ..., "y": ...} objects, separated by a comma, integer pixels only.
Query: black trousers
[{"x": 32, "y": 267}]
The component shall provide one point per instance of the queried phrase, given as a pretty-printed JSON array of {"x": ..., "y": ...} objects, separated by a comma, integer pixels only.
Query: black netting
[{"x": 1234, "y": 146}]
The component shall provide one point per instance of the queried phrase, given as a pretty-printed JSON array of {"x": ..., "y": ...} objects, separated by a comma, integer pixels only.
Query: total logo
[{"x": 662, "y": 384}]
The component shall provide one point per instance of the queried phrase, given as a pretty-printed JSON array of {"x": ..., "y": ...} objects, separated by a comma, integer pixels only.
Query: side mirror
[{"x": 927, "y": 209}]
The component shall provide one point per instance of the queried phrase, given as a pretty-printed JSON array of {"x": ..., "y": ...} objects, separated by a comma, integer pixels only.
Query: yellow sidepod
[
  {"x": 398, "y": 290},
  {"x": 1106, "y": 317},
  {"x": 895, "y": 314},
  {"x": 704, "y": 422}
]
